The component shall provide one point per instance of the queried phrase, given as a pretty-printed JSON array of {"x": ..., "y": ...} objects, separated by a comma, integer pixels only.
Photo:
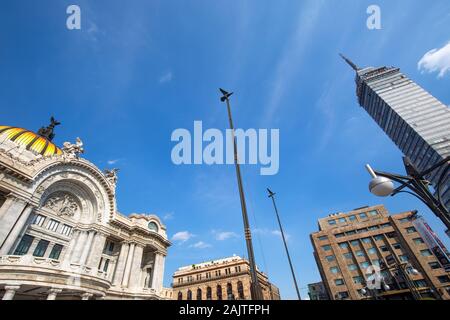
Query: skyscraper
[{"x": 416, "y": 122}]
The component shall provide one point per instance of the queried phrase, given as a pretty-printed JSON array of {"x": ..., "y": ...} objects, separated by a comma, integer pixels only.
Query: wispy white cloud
[
  {"x": 200, "y": 245},
  {"x": 224, "y": 235},
  {"x": 269, "y": 232},
  {"x": 113, "y": 161},
  {"x": 182, "y": 236},
  {"x": 168, "y": 216},
  {"x": 166, "y": 77},
  {"x": 291, "y": 57},
  {"x": 436, "y": 60}
]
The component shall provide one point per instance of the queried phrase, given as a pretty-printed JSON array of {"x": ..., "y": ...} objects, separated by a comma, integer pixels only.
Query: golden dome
[{"x": 31, "y": 140}]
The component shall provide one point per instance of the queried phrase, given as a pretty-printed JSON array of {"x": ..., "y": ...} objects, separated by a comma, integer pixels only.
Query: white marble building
[{"x": 61, "y": 236}]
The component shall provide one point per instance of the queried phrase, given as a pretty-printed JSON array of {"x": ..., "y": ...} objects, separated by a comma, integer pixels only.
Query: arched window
[
  {"x": 219, "y": 292},
  {"x": 180, "y": 295},
  {"x": 230, "y": 292},
  {"x": 240, "y": 288},
  {"x": 199, "y": 294},
  {"x": 152, "y": 226},
  {"x": 189, "y": 295},
  {"x": 208, "y": 293}
]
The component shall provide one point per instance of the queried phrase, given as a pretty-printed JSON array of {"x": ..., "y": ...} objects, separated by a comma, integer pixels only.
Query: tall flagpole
[
  {"x": 272, "y": 196},
  {"x": 256, "y": 291}
]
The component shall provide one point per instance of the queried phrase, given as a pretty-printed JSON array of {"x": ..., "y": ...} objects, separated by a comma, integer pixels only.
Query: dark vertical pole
[
  {"x": 255, "y": 286},
  {"x": 272, "y": 195}
]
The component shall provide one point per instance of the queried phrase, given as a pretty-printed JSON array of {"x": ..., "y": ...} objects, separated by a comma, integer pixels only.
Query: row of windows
[
  {"x": 217, "y": 273},
  {"x": 52, "y": 225},
  {"x": 362, "y": 230},
  {"x": 230, "y": 294},
  {"x": 351, "y": 218},
  {"x": 25, "y": 243}
]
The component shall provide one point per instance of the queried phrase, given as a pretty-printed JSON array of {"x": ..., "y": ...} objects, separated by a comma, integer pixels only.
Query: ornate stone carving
[
  {"x": 62, "y": 204},
  {"x": 111, "y": 176},
  {"x": 73, "y": 150}
]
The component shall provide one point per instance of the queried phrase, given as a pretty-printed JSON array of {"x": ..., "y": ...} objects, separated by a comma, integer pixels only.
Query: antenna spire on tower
[{"x": 350, "y": 62}]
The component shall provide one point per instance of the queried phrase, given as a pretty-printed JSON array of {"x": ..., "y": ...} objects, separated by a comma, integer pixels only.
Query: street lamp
[
  {"x": 256, "y": 291},
  {"x": 272, "y": 196},
  {"x": 382, "y": 185}
]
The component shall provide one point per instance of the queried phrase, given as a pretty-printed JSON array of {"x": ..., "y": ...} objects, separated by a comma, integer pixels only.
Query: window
[
  {"x": 404, "y": 220},
  {"x": 326, "y": 247},
  {"x": 352, "y": 218},
  {"x": 24, "y": 245},
  {"x": 219, "y": 292},
  {"x": 378, "y": 237},
  {"x": 371, "y": 228},
  {"x": 444, "y": 279},
  {"x": 339, "y": 235},
  {"x": 376, "y": 262},
  {"x": 180, "y": 296},
  {"x": 189, "y": 295},
  {"x": 230, "y": 295},
  {"x": 352, "y": 267},
  {"x": 199, "y": 294},
  {"x": 362, "y": 215},
  {"x": 38, "y": 220},
  {"x": 334, "y": 270},
  {"x": 67, "y": 230},
  {"x": 342, "y": 220},
  {"x": 410, "y": 230},
  {"x": 56, "y": 251},
  {"x": 365, "y": 240},
  {"x": 434, "y": 265},
  {"x": 208, "y": 293},
  {"x": 359, "y": 253},
  {"x": 105, "y": 267},
  {"x": 418, "y": 241},
  {"x": 350, "y": 233},
  {"x": 41, "y": 248},
  {"x": 339, "y": 282},
  {"x": 384, "y": 249},
  {"x": 364, "y": 265},
  {"x": 342, "y": 295},
  {"x": 358, "y": 279},
  {"x": 321, "y": 238},
  {"x": 403, "y": 258},
  {"x": 372, "y": 251},
  {"x": 348, "y": 255},
  {"x": 152, "y": 226},
  {"x": 240, "y": 290},
  {"x": 354, "y": 243},
  {"x": 397, "y": 246},
  {"x": 425, "y": 253},
  {"x": 391, "y": 235},
  {"x": 331, "y": 222},
  {"x": 373, "y": 213},
  {"x": 330, "y": 258},
  {"x": 53, "y": 225},
  {"x": 343, "y": 245},
  {"x": 420, "y": 283}
]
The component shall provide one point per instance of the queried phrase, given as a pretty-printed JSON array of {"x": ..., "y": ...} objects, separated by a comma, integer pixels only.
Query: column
[
  {"x": 158, "y": 271},
  {"x": 71, "y": 246},
  {"x": 118, "y": 273},
  {"x": 76, "y": 254},
  {"x": 6, "y": 205},
  {"x": 86, "y": 296},
  {"x": 97, "y": 249},
  {"x": 52, "y": 293},
  {"x": 87, "y": 247},
  {"x": 136, "y": 270},
  {"x": 126, "y": 273},
  {"x": 10, "y": 292},
  {"x": 12, "y": 224}
]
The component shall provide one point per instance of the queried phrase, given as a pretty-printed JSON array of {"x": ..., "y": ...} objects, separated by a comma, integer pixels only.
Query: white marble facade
[{"x": 61, "y": 236}]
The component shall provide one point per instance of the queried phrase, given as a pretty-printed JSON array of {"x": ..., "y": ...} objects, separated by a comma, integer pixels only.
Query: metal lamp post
[
  {"x": 382, "y": 185},
  {"x": 272, "y": 196},
  {"x": 255, "y": 286}
]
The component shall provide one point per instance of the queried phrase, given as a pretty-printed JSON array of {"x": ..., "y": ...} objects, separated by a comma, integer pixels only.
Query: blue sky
[{"x": 138, "y": 70}]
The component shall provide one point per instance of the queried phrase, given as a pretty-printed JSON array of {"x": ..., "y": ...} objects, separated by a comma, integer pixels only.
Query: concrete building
[
  {"x": 61, "y": 236},
  {"x": 416, "y": 122},
  {"x": 317, "y": 291},
  {"x": 223, "y": 279},
  {"x": 350, "y": 246}
]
